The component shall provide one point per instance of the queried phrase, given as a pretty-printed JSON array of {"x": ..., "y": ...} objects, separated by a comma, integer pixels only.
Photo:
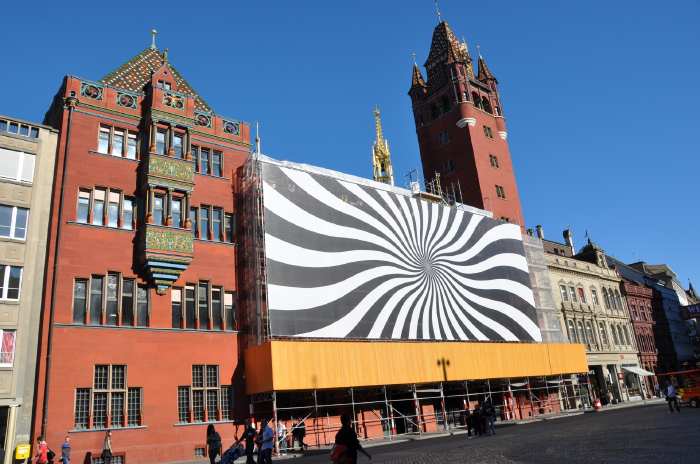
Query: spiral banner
[{"x": 348, "y": 258}]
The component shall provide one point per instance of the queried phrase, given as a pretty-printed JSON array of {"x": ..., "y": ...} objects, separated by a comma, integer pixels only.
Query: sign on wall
[{"x": 350, "y": 259}]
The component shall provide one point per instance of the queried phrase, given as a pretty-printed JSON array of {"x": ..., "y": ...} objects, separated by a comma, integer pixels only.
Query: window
[
  {"x": 618, "y": 300},
  {"x": 113, "y": 209},
  {"x": 98, "y": 207},
  {"x": 606, "y": 298},
  {"x": 10, "y": 281},
  {"x": 620, "y": 336},
  {"x": 195, "y": 157},
  {"x": 500, "y": 192},
  {"x": 83, "y": 206},
  {"x": 580, "y": 334},
  {"x": 114, "y": 404},
  {"x": 581, "y": 295},
  {"x": 7, "y": 351},
  {"x": 177, "y": 145},
  {"x": 444, "y": 138},
  {"x": 488, "y": 132},
  {"x": 158, "y": 209},
  {"x": 228, "y": 311},
  {"x": 590, "y": 335},
  {"x": 572, "y": 331},
  {"x": 164, "y": 85},
  {"x": 614, "y": 334},
  {"x": 204, "y": 222},
  {"x": 176, "y": 307},
  {"x": 206, "y": 400},
  {"x": 80, "y": 300},
  {"x": 176, "y": 212},
  {"x": 112, "y": 315},
  {"x": 16, "y": 165},
  {"x": 20, "y": 129},
  {"x": 449, "y": 166},
  {"x": 103, "y": 140},
  {"x": 13, "y": 222},
  {"x": 572, "y": 294},
  {"x": 190, "y": 309},
  {"x": 204, "y": 160},
  {"x": 117, "y": 143},
  {"x": 594, "y": 297},
  {"x": 121, "y": 305},
  {"x": 603, "y": 333},
  {"x": 628, "y": 341},
  {"x": 193, "y": 220},
  {"x": 216, "y": 308},
  {"x": 494, "y": 161},
  {"x": 216, "y": 158},
  {"x": 160, "y": 142},
  {"x": 486, "y": 105},
  {"x": 216, "y": 220},
  {"x": 228, "y": 221},
  {"x": 564, "y": 294},
  {"x": 128, "y": 213},
  {"x": 131, "y": 146},
  {"x": 203, "y": 298}
]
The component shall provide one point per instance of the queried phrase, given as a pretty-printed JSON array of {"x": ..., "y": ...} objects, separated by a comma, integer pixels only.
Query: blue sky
[{"x": 600, "y": 97}]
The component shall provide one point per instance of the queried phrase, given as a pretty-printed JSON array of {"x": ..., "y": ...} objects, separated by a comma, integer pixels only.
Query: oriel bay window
[
  {"x": 158, "y": 209},
  {"x": 168, "y": 140},
  {"x": 202, "y": 306},
  {"x": 166, "y": 207},
  {"x": 206, "y": 400},
  {"x": 110, "y": 300},
  {"x": 110, "y": 403}
]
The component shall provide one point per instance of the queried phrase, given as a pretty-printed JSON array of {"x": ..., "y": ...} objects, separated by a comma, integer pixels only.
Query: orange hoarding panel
[{"x": 303, "y": 365}]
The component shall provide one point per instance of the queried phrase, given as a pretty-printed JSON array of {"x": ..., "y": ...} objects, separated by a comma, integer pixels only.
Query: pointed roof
[
  {"x": 417, "y": 77},
  {"x": 136, "y": 73},
  {"x": 445, "y": 47},
  {"x": 485, "y": 73},
  {"x": 691, "y": 291}
]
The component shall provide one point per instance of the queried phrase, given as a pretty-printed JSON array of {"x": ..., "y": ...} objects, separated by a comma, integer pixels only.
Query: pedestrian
[
  {"x": 346, "y": 443},
  {"x": 478, "y": 420},
  {"x": 672, "y": 397},
  {"x": 470, "y": 423},
  {"x": 42, "y": 451},
  {"x": 282, "y": 436},
  {"x": 213, "y": 443},
  {"x": 107, "y": 448},
  {"x": 266, "y": 438},
  {"x": 299, "y": 432},
  {"x": 249, "y": 435},
  {"x": 489, "y": 412},
  {"x": 65, "y": 450}
]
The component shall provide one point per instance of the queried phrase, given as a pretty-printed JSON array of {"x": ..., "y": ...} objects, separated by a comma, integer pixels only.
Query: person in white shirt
[
  {"x": 672, "y": 398},
  {"x": 282, "y": 436}
]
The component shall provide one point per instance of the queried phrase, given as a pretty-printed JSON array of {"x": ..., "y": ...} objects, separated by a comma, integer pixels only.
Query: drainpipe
[{"x": 70, "y": 103}]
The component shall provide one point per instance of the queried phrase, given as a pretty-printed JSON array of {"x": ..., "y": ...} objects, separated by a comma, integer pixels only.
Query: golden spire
[{"x": 381, "y": 158}]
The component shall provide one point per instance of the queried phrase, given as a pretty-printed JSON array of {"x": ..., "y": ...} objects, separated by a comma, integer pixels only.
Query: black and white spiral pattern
[{"x": 346, "y": 260}]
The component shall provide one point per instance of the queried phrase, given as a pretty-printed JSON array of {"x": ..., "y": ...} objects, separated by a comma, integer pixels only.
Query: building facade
[
  {"x": 461, "y": 129},
  {"x": 139, "y": 331},
  {"x": 27, "y": 157},
  {"x": 594, "y": 312},
  {"x": 639, "y": 301}
]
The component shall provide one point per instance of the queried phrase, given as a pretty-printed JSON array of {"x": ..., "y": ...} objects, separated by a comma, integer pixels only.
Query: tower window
[
  {"x": 434, "y": 111},
  {"x": 500, "y": 192},
  {"x": 488, "y": 132},
  {"x": 494, "y": 161},
  {"x": 486, "y": 105},
  {"x": 444, "y": 137},
  {"x": 449, "y": 166},
  {"x": 445, "y": 104},
  {"x": 476, "y": 99}
]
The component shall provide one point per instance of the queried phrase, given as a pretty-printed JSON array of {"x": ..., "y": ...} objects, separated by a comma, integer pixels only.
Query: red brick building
[
  {"x": 461, "y": 129},
  {"x": 139, "y": 331},
  {"x": 639, "y": 301}
]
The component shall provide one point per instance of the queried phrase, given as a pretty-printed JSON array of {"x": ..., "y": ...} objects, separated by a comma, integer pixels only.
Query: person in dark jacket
[
  {"x": 249, "y": 435},
  {"x": 347, "y": 438},
  {"x": 213, "y": 443},
  {"x": 298, "y": 433}
]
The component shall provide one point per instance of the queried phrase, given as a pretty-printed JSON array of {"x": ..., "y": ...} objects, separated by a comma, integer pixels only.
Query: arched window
[
  {"x": 498, "y": 111},
  {"x": 620, "y": 336},
  {"x": 591, "y": 336},
  {"x": 614, "y": 334},
  {"x": 476, "y": 99},
  {"x": 627, "y": 336},
  {"x": 465, "y": 96},
  {"x": 486, "y": 104},
  {"x": 603, "y": 333},
  {"x": 572, "y": 331},
  {"x": 581, "y": 335},
  {"x": 618, "y": 300},
  {"x": 606, "y": 298}
]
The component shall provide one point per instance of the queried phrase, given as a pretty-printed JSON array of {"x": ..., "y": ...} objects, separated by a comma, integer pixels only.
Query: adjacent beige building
[
  {"x": 27, "y": 157},
  {"x": 594, "y": 312}
]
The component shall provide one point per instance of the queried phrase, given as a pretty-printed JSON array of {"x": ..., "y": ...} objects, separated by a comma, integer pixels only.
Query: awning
[{"x": 637, "y": 370}]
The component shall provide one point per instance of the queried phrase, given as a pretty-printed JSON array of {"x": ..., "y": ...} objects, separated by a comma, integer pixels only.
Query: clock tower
[{"x": 461, "y": 130}]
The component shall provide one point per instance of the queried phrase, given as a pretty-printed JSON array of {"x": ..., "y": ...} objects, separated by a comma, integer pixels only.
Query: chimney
[
  {"x": 540, "y": 232},
  {"x": 569, "y": 238}
]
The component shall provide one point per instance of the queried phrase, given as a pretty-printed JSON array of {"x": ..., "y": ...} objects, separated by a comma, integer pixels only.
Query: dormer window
[{"x": 164, "y": 85}]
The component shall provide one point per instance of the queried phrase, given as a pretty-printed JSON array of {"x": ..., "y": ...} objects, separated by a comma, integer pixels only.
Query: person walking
[
  {"x": 346, "y": 443},
  {"x": 282, "y": 436},
  {"x": 65, "y": 450},
  {"x": 478, "y": 420},
  {"x": 107, "y": 448},
  {"x": 42, "y": 451},
  {"x": 299, "y": 432},
  {"x": 249, "y": 435},
  {"x": 266, "y": 438},
  {"x": 672, "y": 398},
  {"x": 489, "y": 412},
  {"x": 470, "y": 422},
  {"x": 213, "y": 443}
]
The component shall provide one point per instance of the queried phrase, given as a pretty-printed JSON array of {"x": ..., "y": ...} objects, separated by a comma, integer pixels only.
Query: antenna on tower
[
  {"x": 437, "y": 11},
  {"x": 257, "y": 138}
]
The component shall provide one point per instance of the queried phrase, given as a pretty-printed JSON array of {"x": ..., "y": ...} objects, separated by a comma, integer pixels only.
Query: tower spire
[
  {"x": 381, "y": 157},
  {"x": 153, "y": 39},
  {"x": 437, "y": 12}
]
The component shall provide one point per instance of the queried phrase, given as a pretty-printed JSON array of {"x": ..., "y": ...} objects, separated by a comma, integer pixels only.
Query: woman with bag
[
  {"x": 346, "y": 444},
  {"x": 213, "y": 443},
  {"x": 107, "y": 448}
]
